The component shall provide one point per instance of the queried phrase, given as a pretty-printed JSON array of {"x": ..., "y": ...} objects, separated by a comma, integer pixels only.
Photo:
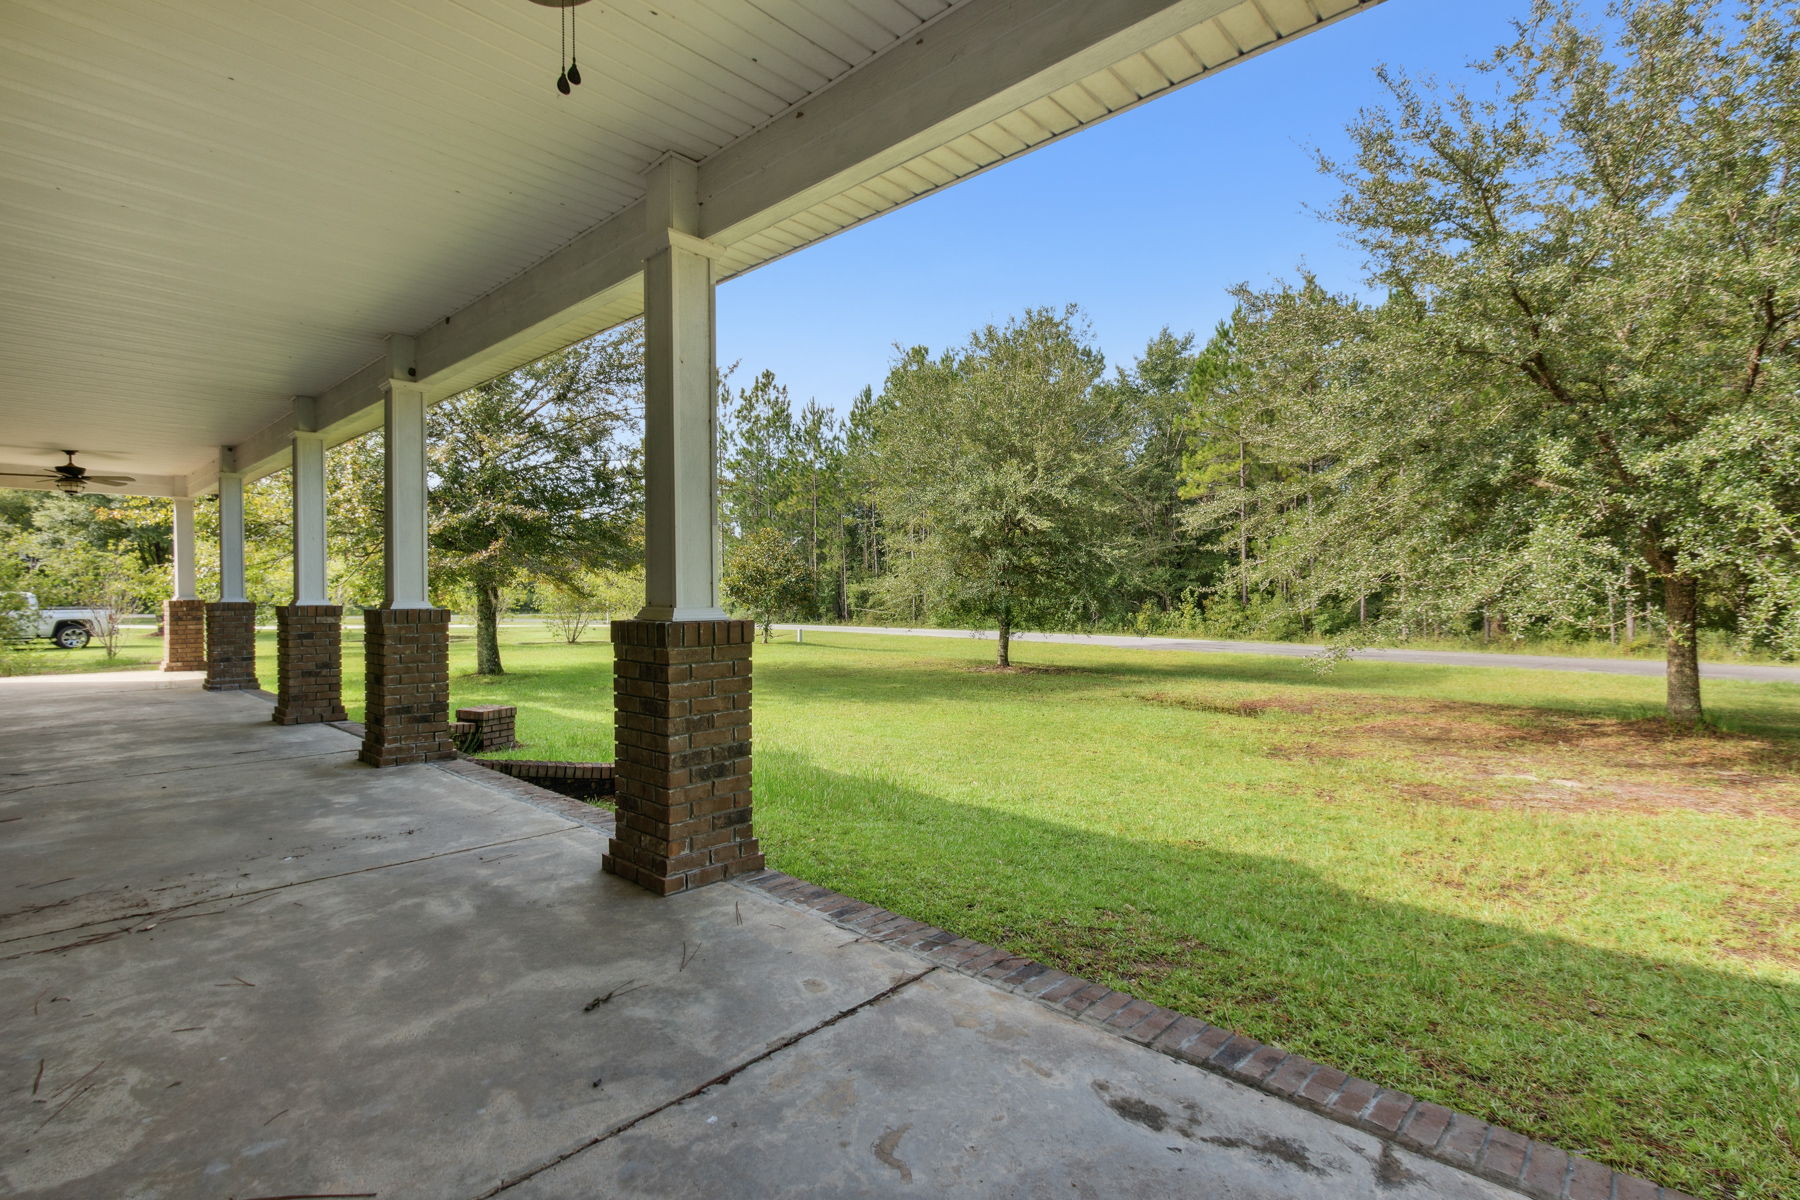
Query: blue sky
[{"x": 1144, "y": 220}]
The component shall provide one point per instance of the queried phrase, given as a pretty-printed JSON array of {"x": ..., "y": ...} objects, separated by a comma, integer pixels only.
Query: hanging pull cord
[
  {"x": 562, "y": 31},
  {"x": 573, "y": 74}
]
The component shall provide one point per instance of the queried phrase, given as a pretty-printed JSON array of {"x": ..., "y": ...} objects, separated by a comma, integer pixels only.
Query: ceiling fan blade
[
  {"x": 21, "y": 475},
  {"x": 109, "y": 480}
]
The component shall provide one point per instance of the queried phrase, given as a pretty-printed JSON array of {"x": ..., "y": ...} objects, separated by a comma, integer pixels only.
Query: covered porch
[
  {"x": 236, "y": 962},
  {"x": 246, "y": 953}
]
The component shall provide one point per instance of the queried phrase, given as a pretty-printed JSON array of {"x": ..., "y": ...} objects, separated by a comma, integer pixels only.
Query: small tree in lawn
[
  {"x": 766, "y": 577},
  {"x": 568, "y": 610},
  {"x": 1004, "y": 478},
  {"x": 112, "y": 598},
  {"x": 617, "y": 590}
]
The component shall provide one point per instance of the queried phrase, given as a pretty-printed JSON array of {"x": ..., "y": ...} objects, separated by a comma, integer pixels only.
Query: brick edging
[
  {"x": 584, "y": 814},
  {"x": 1493, "y": 1152},
  {"x": 577, "y": 780}
]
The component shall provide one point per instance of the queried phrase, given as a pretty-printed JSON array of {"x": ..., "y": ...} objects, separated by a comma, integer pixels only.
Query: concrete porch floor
[{"x": 235, "y": 963}]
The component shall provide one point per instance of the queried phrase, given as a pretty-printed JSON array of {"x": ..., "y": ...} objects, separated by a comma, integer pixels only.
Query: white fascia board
[{"x": 973, "y": 65}]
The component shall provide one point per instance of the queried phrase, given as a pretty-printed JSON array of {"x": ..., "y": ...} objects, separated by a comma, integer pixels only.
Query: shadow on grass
[
  {"x": 1670, "y": 1070},
  {"x": 949, "y": 678}
]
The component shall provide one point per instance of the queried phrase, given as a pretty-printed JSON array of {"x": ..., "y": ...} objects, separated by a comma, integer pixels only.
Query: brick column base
[
  {"x": 230, "y": 646},
  {"x": 184, "y": 635},
  {"x": 309, "y": 667},
  {"x": 681, "y": 699},
  {"x": 407, "y": 717}
]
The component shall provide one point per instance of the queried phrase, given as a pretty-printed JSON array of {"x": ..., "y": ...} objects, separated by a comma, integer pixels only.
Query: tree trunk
[
  {"x": 1681, "y": 605},
  {"x": 1243, "y": 530},
  {"x": 767, "y": 627},
  {"x": 1003, "y": 654},
  {"x": 487, "y": 629},
  {"x": 1630, "y": 608}
]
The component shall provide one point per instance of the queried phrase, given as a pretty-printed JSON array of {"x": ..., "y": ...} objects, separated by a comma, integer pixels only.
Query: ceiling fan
[{"x": 67, "y": 477}]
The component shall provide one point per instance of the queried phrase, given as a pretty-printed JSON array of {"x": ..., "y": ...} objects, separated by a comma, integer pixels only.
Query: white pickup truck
[{"x": 70, "y": 628}]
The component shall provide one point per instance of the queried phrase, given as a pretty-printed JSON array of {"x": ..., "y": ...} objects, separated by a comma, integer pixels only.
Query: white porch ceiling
[{"x": 209, "y": 207}]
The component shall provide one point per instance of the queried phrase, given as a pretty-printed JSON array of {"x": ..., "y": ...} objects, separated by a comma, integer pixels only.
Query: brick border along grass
[{"x": 1537, "y": 1169}]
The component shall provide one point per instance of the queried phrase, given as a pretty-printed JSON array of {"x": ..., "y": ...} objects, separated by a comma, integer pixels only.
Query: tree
[
  {"x": 1216, "y": 451},
  {"x": 571, "y": 606},
  {"x": 756, "y": 466},
  {"x": 534, "y": 475},
  {"x": 1154, "y": 396},
  {"x": 766, "y": 576},
  {"x": 1587, "y": 352},
  {"x": 568, "y": 610},
  {"x": 1002, "y": 477}
]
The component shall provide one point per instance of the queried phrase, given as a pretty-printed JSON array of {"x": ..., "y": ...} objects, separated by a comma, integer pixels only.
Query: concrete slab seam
[
  {"x": 1350, "y": 1100},
  {"x": 723, "y": 1077}
]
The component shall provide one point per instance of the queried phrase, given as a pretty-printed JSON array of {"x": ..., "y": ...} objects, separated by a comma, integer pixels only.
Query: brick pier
[
  {"x": 309, "y": 663},
  {"x": 681, "y": 698},
  {"x": 184, "y": 635},
  {"x": 407, "y": 718},
  {"x": 230, "y": 646}
]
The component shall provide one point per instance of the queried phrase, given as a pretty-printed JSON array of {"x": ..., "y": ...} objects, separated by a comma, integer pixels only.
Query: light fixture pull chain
[
  {"x": 574, "y": 71},
  {"x": 562, "y": 32}
]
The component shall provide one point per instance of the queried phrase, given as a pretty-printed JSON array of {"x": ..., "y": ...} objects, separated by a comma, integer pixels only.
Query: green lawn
[{"x": 1509, "y": 891}]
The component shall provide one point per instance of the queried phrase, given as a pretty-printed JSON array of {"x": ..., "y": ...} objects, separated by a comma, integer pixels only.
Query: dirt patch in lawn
[
  {"x": 1498, "y": 756},
  {"x": 1763, "y": 924},
  {"x": 1233, "y": 708},
  {"x": 1019, "y": 669}
]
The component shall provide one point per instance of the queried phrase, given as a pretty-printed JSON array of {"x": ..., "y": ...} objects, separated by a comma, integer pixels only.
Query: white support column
[
  {"x": 182, "y": 535},
  {"x": 231, "y": 529},
  {"x": 403, "y": 466},
  {"x": 681, "y": 557},
  {"x": 309, "y": 509}
]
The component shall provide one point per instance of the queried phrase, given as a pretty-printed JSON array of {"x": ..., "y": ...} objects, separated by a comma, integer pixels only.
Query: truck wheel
[{"x": 72, "y": 636}]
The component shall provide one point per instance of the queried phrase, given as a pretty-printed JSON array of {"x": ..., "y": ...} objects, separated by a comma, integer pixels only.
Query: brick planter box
[{"x": 485, "y": 727}]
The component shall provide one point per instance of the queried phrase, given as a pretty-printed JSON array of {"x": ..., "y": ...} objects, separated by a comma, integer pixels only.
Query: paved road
[{"x": 1753, "y": 672}]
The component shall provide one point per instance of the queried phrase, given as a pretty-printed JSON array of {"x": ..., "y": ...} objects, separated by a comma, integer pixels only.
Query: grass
[
  {"x": 1510, "y": 891},
  {"x": 137, "y": 649}
]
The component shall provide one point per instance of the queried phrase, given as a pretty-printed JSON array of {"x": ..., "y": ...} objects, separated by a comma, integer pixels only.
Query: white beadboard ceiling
[{"x": 208, "y": 207}]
